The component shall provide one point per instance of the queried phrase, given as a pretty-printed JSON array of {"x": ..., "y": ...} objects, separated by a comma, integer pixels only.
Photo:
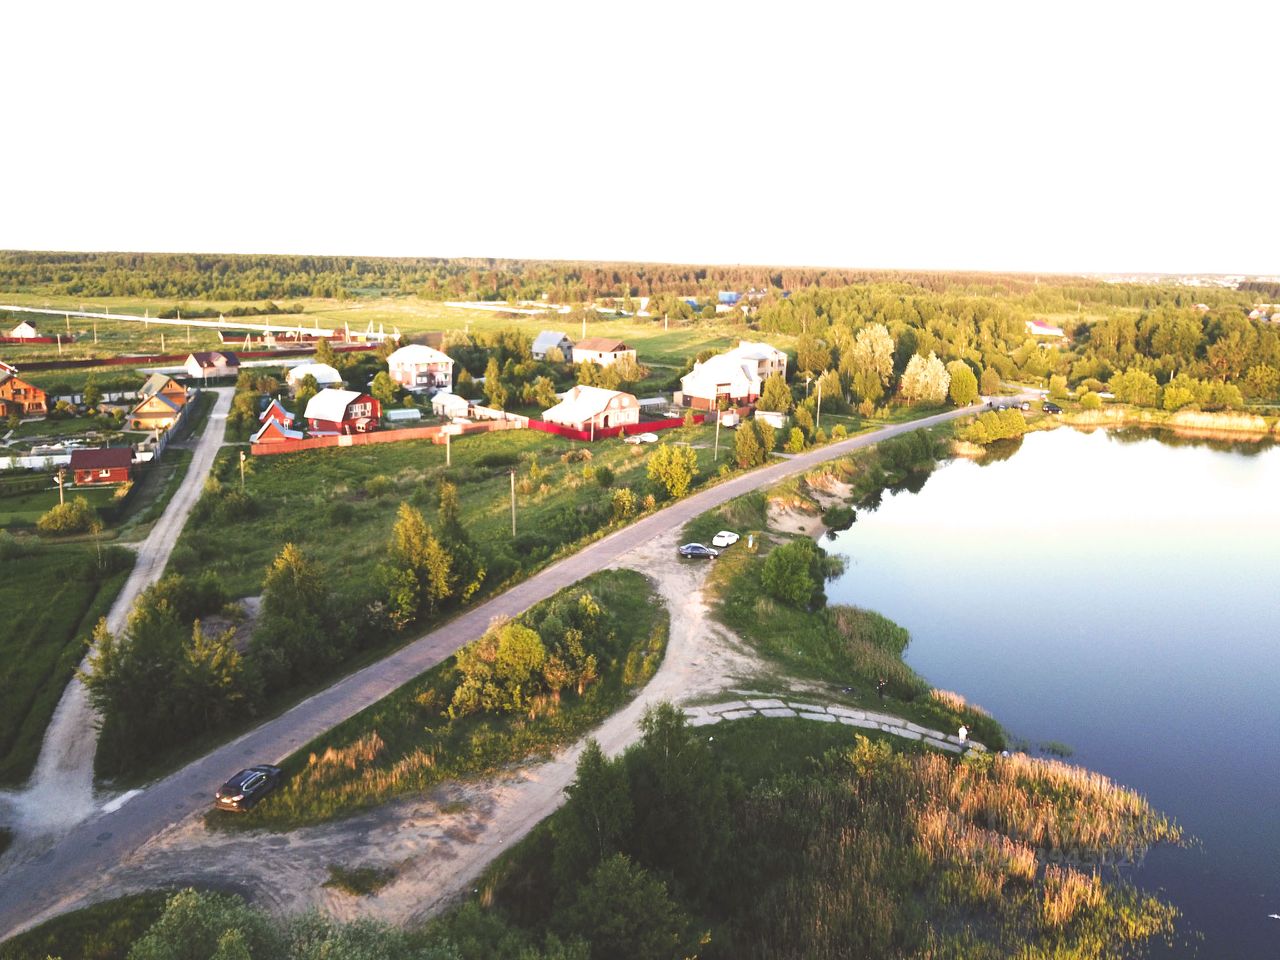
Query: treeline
[{"x": 262, "y": 277}]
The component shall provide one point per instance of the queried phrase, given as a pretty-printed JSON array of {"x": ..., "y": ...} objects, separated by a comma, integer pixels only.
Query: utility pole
[
  {"x": 817, "y": 420},
  {"x": 61, "y": 476},
  {"x": 448, "y": 456},
  {"x": 513, "y": 504},
  {"x": 68, "y": 319},
  {"x": 59, "y": 336},
  {"x": 95, "y": 333},
  {"x": 242, "y": 471},
  {"x": 719, "y": 412}
]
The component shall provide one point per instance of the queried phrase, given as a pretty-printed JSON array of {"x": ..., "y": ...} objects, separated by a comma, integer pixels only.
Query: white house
[
  {"x": 585, "y": 407},
  {"x": 325, "y": 375},
  {"x": 551, "y": 340},
  {"x": 446, "y": 404},
  {"x": 26, "y": 330},
  {"x": 736, "y": 376},
  {"x": 601, "y": 350},
  {"x": 419, "y": 368},
  {"x": 211, "y": 363}
]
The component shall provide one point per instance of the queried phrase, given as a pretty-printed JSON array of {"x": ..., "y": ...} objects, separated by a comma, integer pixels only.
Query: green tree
[
  {"x": 419, "y": 569},
  {"x": 1090, "y": 401},
  {"x": 812, "y": 355},
  {"x": 500, "y": 672},
  {"x": 788, "y": 573},
  {"x": 869, "y": 362},
  {"x": 468, "y": 570},
  {"x": 775, "y": 394},
  {"x": 595, "y": 821},
  {"x": 991, "y": 383},
  {"x": 75, "y": 516},
  {"x": 292, "y": 638},
  {"x": 1058, "y": 387},
  {"x": 324, "y": 353},
  {"x": 746, "y": 445},
  {"x": 625, "y": 913},
  {"x": 795, "y": 441},
  {"x": 209, "y": 926},
  {"x": 1137, "y": 387},
  {"x": 307, "y": 389},
  {"x": 673, "y": 468},
  {"x": 624, "y": 504},
  {"x": 964, "y": 385},
  {"x": 384, "y": 389},
  {"x": 925, "y": 379},
  {"x": 92, "y": 393},
  {"x": 495, "y": 391},
  {"x": 1263, "y": 381},
  {"x": 544, "y": 393}
]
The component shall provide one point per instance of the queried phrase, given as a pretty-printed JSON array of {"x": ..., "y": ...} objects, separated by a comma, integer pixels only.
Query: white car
[
  {"x": 641, "y": 438},
  {"x": 725, "y": 538}
]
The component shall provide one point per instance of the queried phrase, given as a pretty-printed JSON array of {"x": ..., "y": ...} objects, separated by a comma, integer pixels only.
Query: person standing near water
[
  {"x": 964, "y": 734},
  {"x": 880, "y": 685}
]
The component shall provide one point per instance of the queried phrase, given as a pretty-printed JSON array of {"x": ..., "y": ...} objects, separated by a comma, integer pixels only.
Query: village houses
[
  {"x": 585, "y": 408},
  {"x": 342, "y": 412},
  {"x": 108, "y": 465},
  {"x": 17, "y": 397},
  {"x": 323, "y": 374},
  {"x": 161, "y": 403},
  {"x": 736, "y": 377},
  {"x": 601, "y": 350},
  {"x": 420, "y": 368},
  {"x": 212, "y": 363},
  {"x": 549, "y": 340}
]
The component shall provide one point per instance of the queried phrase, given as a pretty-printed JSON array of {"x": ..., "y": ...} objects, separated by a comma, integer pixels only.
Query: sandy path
[
  {"x": 60, "y": 793},
  {"x": 439, "y": 844}
]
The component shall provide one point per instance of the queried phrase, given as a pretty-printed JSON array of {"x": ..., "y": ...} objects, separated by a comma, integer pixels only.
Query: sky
[{"x": 1038, "y": 137}]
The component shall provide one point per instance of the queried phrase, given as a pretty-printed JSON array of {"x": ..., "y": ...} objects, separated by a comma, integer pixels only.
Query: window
[{"x": 104, "y": 473}]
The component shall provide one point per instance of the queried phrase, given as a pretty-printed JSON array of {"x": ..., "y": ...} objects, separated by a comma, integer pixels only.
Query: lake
[{"x": 1117, "y": 593}]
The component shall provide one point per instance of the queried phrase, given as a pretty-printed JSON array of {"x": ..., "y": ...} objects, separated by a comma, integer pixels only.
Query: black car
[
  {"x": 696, "y": 551},
  {"x": 247, "y": 787},
  {"x": 1051, "y": 407}
]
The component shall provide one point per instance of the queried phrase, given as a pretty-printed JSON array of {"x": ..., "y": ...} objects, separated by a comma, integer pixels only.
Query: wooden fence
[
  {"x": 434, "y": 434},
  {"x": 604, "y": 433}
]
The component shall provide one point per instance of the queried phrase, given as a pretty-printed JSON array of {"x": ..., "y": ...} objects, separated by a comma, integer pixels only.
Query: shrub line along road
[{"x": 36, "y": 889}]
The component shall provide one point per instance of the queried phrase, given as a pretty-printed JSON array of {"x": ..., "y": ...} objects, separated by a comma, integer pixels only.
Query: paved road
[
  {"x": 60, "y": 793},
  {"x": 39, "y": 888}
]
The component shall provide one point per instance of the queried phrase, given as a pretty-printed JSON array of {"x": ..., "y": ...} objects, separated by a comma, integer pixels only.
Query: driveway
[{"x": 36, "y": 889}]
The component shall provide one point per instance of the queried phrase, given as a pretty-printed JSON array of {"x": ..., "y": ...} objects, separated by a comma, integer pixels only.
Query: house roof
[
  {"x": 277, "y": 408},
  {"x": 276, "y": 428},
  {"x": 157, "y": 397},
  {"x": 548, "y": 339},
  {"x": 449, "y": 401},
  {"x": 722, "y": 368},
  {"x": 6, "y": 370},
  {"x": 331, "y": 404},
  {"x": 418, "y": 353},
  {"x": 602, "y": 344},
  {"x": 752, "y": 350},
  {"x": 157, "y": 382},
  {"x": 25, "y": 329},
  {"x": 581, "y": 404},
  {"x": 108, "y": 458},
  {"x": 215, "y": 358},
  {"x": 323, "y": 373}
]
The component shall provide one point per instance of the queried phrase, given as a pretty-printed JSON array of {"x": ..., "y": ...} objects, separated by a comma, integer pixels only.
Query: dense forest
[{"x": 261, "y": 277}]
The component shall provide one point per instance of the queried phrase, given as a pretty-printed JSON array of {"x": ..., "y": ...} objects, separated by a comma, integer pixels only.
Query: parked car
[
  {"x": 696, "y": 551},
  {"x": 248, "y": 787},
  {"x": 1049, "y": 407},
  {"x": 1025, "y": 405},
  {"x": 725, "y": 538}
]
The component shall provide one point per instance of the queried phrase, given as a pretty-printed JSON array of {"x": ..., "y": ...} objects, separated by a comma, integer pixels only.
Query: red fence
[
  {"x": 23, "y": 340},
  {"x": 434, "y": 434},
  {"x": 137, "y": 361},
  {"x": 644, "y": 426}
]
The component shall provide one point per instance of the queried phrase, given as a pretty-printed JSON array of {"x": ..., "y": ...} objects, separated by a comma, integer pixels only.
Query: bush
[
  {"x": 604, "y": 477},
  {"x": 341, "y": 513},
  {"x": 74, "y": 517},
  {"x": 839, "y": 517},
  {"x": 378, "y": 486},
  {"x": 1090, "y": 401},
  {"x": 794, "y": 573}
]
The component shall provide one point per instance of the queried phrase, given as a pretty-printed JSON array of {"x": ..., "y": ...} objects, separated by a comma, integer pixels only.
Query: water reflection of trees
[
  {"x": 1222, "y": 443},
  {"x": 999, "y": 450}
]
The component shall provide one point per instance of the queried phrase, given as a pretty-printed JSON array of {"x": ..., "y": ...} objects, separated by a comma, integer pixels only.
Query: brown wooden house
[{"x": 18, "y": 396}]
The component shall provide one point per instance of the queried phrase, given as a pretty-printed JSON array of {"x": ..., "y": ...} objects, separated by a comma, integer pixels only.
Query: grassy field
[
  {"x": 23, "y": 510},
  {"x": 51, "y": 595},
  {"x": 339, "y": 504},
  {"x": 408, "y": 743},
  {"x": 104, "y": 931}
]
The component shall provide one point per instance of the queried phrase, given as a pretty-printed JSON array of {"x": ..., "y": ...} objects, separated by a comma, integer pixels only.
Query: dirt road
[
  {"x": 60, "y": 793},
  {"x": 35, "y": 889}
]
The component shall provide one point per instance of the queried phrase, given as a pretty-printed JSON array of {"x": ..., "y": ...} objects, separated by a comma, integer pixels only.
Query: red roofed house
[
  {"x": 601, "y": 350},
  {"x": 273, "y": 431},
  {"x": 109, "y": 465},
  {"x": 275, "y": 411},
  {"x": 342, "y": 411},
  {"x": 212, "y": 363}
]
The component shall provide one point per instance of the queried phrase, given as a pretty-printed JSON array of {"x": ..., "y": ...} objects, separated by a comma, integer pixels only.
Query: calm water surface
[{"x": 1121, "y": 595}]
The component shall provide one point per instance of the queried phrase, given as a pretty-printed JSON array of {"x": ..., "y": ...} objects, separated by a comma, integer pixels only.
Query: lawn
[
  {"x": 51, "y": 595},
  {"x": 22, "y": 510},
  {"x": 407, "y": 742},
  {"x": 339, "y": 504}
]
